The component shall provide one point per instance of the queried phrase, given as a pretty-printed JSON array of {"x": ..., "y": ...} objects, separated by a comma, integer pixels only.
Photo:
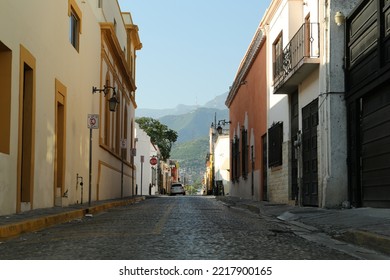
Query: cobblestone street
[{"x": 181, "y": 227}]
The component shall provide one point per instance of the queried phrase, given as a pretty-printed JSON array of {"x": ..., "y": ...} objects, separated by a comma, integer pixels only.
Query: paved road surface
[{"x": 181, "y": 227}]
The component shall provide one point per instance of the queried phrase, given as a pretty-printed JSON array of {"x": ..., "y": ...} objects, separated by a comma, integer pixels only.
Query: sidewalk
[
  {"x": 365, "y": 227},
  {"x": 15, "y": 224}
]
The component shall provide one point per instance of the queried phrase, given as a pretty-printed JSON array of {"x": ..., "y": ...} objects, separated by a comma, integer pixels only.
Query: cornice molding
[
  {"x": 109, "y": 33},
  {"x": 133, "y": 31},
  {"x": 246, "y": 64}
]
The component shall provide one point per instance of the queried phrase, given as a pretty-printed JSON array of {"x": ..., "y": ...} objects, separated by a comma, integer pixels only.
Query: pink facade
[{"x": 247, "y": 103}]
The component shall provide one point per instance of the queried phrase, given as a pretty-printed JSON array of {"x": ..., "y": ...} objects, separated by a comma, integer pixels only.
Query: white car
[{"x": 177, "y": 188}]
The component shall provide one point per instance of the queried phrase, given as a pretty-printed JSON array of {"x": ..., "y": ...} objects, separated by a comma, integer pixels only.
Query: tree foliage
[{"x": 159, "y": 134}]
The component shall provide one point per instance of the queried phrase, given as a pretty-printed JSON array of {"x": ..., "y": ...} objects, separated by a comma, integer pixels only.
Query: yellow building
[{"x": 52, "y": 54}]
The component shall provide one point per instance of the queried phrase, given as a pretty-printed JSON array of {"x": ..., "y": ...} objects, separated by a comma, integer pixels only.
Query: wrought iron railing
[{"x": 304, "y": 44}]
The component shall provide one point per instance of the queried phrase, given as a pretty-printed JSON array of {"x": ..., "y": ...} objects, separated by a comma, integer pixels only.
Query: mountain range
[
  {"x": 192, "y": 123},
  {"x": 217, "y": 103},
  {"x": 195, "y": 124}
]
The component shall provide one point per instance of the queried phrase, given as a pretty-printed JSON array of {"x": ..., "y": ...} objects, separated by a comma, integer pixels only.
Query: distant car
[{"x": 177, "y": 188}]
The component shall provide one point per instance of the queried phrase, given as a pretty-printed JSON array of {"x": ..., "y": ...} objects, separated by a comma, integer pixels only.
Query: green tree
[{"x": 159, "y": 134}]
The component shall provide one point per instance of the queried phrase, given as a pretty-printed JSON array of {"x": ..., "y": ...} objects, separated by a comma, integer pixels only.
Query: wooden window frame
[
  {"x": 75, "y": 24},
  {"x": 277, "y": 56}
]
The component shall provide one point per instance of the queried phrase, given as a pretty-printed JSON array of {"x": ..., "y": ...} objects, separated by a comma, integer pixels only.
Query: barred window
[
  {"x": 235, "y": 159},
  {"x": 275, "y": 135},
  {"x": 244, "y": 151}
]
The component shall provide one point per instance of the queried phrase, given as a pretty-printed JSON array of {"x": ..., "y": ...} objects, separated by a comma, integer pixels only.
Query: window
[
  {"x": 275, "y": 135},
  {"x": 235, "y": 159},
  {"x": 244, "y": 151},
  {"x": 125, "y": 133},
  {"x": 118, "y": 127},
  {"x": 74, "y": 31},
  {"x": 277, "y": 50},
  {"x": 74, "y": 14}
]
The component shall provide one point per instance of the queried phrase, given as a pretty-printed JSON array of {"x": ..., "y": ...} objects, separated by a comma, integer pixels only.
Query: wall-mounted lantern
[{"x": 113, "y": 101}]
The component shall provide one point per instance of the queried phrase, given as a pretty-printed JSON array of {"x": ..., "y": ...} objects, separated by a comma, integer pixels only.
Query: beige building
[{"x": 52, "y": 54}]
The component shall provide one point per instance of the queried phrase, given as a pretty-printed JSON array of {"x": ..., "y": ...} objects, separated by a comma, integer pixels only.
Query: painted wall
[
  {"x": 146, "y": 149},
  {"x": 222, "y": 163},
  {"x": 248, "y": 108},
  {"x": 42, "y": 28},
  {"x": 326, "y": 83}
]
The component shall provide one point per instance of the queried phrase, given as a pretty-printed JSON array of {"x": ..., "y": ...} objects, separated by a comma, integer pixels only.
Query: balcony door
[{"x": 307, "y": 36}]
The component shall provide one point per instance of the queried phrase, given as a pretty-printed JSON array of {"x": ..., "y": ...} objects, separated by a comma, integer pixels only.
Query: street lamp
[
  {"x": 113, "y": 101},
  {"x": 220, "y": 124}
]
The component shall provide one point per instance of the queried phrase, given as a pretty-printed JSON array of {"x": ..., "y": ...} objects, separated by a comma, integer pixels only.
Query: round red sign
[{"x": 153, "y": 161}]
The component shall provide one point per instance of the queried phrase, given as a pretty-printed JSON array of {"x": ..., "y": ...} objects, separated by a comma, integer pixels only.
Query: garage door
[{"x": 375, "y": 149}]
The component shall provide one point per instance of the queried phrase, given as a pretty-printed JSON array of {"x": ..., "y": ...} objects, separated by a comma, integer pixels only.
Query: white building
[
  {"x": 51, "y": 55},
  {"x": 307, "y": 137},
  {"x": 221, "y": 162},
  {"x": 146, "y": 172}
]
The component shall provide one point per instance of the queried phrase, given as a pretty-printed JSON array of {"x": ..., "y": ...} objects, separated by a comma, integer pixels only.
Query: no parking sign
[{"x": 93, "y": 121}]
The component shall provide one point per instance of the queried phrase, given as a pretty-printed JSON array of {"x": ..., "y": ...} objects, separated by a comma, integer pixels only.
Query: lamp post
[{"x": 93, "y": 124}]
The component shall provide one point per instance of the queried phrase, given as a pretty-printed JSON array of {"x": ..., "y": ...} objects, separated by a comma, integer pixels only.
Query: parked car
[{"x": 177, "y": 188}]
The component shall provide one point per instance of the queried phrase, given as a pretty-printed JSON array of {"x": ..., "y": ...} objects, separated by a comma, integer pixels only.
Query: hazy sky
[{"x": 191, "y": 48}]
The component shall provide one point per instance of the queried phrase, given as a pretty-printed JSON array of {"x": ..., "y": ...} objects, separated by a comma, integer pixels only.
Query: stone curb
[
  {"x": 366, "y": 239},
  {"x": 34, "y": 224}
]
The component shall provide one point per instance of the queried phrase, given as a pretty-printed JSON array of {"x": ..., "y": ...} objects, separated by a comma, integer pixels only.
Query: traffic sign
[
  {"x": 153, "y": 161},
  {"x": 123, "y": 143},
  {"x": 93, "y": 121}
]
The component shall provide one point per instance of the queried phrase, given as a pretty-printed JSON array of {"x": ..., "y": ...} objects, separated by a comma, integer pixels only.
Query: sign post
[{"x": 92, "y": 123}]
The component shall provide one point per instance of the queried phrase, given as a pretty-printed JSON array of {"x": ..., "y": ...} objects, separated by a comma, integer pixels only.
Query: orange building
[{"x": 247, "y": 103}]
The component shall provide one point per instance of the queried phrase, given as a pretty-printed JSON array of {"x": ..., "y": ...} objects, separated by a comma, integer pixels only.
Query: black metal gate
[
  {"x": 368, "y": 100},
  {"x": 294, "y": 124},
  {"x": 265, "y": 167},
  {"x": 375, "y": 148},
  {"x": 309, "y": 156}
]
